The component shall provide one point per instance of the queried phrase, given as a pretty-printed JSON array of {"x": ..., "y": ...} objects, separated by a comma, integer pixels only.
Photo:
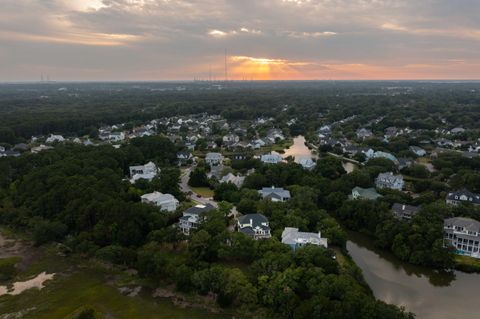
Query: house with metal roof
[
  {"x": 166, "y": 202},
  {"x": 275, "y": 194},
  {"x": 297, "y": 239}
]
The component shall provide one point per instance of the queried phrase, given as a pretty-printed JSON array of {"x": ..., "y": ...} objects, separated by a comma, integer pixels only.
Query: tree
[{"x": 198, "y": 178}]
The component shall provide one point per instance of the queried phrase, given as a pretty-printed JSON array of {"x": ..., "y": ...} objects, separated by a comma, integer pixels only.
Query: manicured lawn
[{"x": 203, "y": 191}]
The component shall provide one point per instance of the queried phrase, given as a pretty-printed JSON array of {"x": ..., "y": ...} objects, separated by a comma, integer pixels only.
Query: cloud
[{"x": 180, "y": 39}]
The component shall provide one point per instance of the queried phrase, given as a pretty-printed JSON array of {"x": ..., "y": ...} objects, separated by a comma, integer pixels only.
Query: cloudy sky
[{"x": 265, "y": 39}]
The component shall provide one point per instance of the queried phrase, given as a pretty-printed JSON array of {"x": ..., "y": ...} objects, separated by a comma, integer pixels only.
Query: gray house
[
  {"x": 463, "y": 234},
  {"x": 193, "y": 217},
  {"x": 404, "y": 212},
  {"x": 255, "y": 226},
  {"x": 388, "y": 180},
  {"x": 462, "y": 196},
  {"x": 274, "y": 194},
  {"x": 418, "y": 151},
  {"x": 296, "y": 239},
  {"x": 364, "y": 133}
]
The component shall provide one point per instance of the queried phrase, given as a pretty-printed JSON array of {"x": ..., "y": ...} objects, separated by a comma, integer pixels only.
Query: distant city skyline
[{"x": 170, "y": 40}]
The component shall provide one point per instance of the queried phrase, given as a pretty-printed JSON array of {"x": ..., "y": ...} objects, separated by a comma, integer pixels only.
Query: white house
[
  {"x": 213, "y": 159},
  {"x": 296, "y": 239},
  {"x": 147, "y": 172},
  {"x": 116, "y": 136},
  {"x": 463, "y": 234},
  {"x": 307, "y": 163},
  {"x": 388, "y": 180},
  {"x": 54, "y": 138},
  {"x": 166, "y": 202}
]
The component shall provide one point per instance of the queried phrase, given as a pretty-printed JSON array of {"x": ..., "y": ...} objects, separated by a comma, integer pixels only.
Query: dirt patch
[
  {"x": 20, "y": 286},
  {"x": 18, "y": 248},
  {"x": 17, "y": 315}
]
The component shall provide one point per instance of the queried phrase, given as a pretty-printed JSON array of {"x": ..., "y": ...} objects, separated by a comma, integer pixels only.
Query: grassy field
[
  {"x": 79, "y": 283},
  {"x": 467, "y": 264},
  {"x": 203, "y": 191}
]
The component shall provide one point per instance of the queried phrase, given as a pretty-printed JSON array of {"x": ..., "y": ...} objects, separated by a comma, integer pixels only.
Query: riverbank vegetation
[{"x": 76, "y": 195}]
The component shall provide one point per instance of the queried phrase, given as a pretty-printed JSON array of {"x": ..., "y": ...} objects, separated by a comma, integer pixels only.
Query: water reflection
[
  {"x": 427, "y": 293},
  {"x": 299, "y": 150}
]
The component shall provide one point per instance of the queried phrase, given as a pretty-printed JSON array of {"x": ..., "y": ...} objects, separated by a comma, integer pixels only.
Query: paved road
[{"x": 186, "y": 189}]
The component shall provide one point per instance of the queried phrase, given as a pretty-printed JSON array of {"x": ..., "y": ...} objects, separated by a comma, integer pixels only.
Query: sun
[{"x": 258, "y": 68}]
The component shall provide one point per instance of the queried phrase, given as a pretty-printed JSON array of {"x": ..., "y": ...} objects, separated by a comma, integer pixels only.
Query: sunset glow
[{"x": 283, "y": 40}]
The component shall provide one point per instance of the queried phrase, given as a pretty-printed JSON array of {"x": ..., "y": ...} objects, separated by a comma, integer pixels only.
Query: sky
[{"x": 155, "y": 40}]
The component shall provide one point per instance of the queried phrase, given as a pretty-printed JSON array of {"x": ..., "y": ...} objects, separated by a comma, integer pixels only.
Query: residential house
[
  {"x": 388, "y": 180},
  {"x": 404, "y": 212},
  {"x": 352, "y": 150},
  {"x": 231, "y": 139},
  {"x": 457, "y": 130},
  {"x": 166, "y": 202},
  {"x": 380, "y": 154},
  {"x": 254, "y": 225},
  {"x": 463, "y": 234},
  {"x": 462, "y": 196},
  {"x": 307, "y": 163},
  {"x": 40, "y": 148},
  {"x": 54, "y": 138},
  {"x": 183, "y": 157},
  {"x": 193, "y": 217},
  {"x": 116, "y": 136},
  {"x": 21, "y": 147},
  {"x": 391, "y": 132},
  {"x": 404, "y": 162},
  {"x": 9, "y": 153},
  {"x": 296, "y": 239},
  {"x": 213, "y": 159},
  {"x": 237, "y": 180},
  {"x": 271, "y": 158},
  {"x": 274, "y": 194},
  {"x": 364, "y": 193},
  {"x": 418, "y": 151},
  {"x": 147, "y": 172},
  {"x": 275, "y": 135},
  {"x": 364, "y": 133}
]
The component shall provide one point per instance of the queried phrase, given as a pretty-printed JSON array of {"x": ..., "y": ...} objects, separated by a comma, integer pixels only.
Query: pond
[
  {"x": 427, "y": 293},
  {"x": 299, "y": 150}
]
